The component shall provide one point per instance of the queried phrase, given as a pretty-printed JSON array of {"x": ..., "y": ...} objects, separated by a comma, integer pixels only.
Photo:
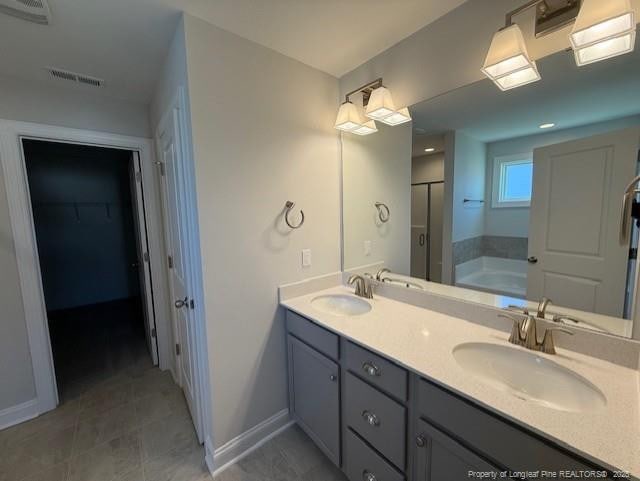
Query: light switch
[
  {"x": 306, "y": 257},
  {"x": 367, "y": 248}
]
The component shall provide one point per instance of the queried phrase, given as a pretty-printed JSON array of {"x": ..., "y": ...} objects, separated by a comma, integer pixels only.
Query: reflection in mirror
[{"x": 506, "y": 198}]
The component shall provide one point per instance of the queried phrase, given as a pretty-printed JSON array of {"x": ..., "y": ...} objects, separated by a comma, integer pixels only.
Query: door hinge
[
  {"x": 192, "y": 304},
  {"x": 153, "y": 332},
  {"x": 633, "y": 253},
  {"x": 170, "y": 261},
  {"x": 145, "y": 256},
  {"x": 138, "y": 177},
  {"x": 177, "y": 349}
]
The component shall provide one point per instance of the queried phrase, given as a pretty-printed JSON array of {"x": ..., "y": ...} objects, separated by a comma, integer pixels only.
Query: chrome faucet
[
  {"x": 524, "y": 333},
  {"x": 381, "y": 272},
  {"x": 542, "y": 307},
  {"x": 363, "y": 287}
]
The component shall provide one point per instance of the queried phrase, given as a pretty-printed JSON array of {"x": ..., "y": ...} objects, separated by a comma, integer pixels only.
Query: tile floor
[{"x": 121, "y": 419}]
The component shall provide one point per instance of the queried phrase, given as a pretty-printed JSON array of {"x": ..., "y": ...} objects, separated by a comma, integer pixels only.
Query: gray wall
[
  {"x": 469, "y": 175},
  {"x": 41, "y": 103},
  {"x": 427, "y": 168},
  {"x": 48, "y": 103},
  {"x": 449, "y": 52},
  {"x": 262, "y": 134},
  {"x": 81, "y": 203}
]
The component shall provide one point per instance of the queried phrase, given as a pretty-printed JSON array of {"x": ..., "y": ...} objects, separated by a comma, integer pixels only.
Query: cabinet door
[
  {"x": 440, "y": 458},
  {"x": 315, "y": 396}
]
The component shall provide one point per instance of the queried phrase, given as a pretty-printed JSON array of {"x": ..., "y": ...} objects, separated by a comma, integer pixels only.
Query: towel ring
[
  {"x": 383, "y": 212},
  {"x": 289, "y": 206}
]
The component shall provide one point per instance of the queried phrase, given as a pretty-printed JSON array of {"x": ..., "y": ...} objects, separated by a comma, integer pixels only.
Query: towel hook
[
  {"x": 289, "y": 206},
  {"x": 383, "y": 212}
]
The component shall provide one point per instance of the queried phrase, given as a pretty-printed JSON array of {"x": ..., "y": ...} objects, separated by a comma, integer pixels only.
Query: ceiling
[
  {"x": 125, "y": 42},
  {"x": 567, "y": 95}
]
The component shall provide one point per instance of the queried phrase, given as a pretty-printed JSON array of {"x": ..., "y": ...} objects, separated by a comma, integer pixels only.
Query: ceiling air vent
[
  {"x": 36, "y": 11},
  {"x": 74, "y": 77}
]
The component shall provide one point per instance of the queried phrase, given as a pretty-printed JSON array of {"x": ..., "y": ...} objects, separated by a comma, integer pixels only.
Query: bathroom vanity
[{"x": 385, "y": 398}]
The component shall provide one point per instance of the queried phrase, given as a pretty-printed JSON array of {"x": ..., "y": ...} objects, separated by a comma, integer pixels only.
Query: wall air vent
[
  {"x": 74, "y": 77},
  {"x": 36, "y": 11}
]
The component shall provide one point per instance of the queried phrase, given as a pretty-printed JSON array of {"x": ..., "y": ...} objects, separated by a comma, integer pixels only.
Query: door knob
[
  {"x": 180, "y": 303},
  {"x": 532, "y": 260}
]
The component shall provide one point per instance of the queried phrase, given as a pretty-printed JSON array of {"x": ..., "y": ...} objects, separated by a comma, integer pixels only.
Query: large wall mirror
[{"x": 506, "y": 198}]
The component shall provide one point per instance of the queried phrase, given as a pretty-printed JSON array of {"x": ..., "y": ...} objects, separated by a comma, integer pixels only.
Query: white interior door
[
  {"x": 575, "y": 220},
  {"x": 144, "y": 270},
  {"x": 177, "y": 240}
]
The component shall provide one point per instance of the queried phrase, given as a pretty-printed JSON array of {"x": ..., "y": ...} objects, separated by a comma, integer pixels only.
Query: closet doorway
[{"x": 91, "y": 236}]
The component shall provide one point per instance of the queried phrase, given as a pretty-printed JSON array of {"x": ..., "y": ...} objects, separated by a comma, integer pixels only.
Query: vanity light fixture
[
  {"x": 603, "y": 29},
  {"x": 508, "y": 63},
  {"x": 348, "y": 117},
  {"x": 378, "y": 105},
  {"x": 550, "y": 125}
]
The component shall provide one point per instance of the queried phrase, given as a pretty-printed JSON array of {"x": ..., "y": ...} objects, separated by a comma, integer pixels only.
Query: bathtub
[{"x": 507, "y": 277}]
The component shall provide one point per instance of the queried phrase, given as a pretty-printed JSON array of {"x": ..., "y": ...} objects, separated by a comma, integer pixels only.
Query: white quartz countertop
[{"x": 423, "y": 341}]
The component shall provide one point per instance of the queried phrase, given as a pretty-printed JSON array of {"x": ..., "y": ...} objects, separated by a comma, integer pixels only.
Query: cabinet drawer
[
  {"x": 324, "y": 341},
  {"x": 363, "y": 464},
  {"x": 377, "y": 370},
  {"x": 507, "y": 445},
  {"x": 380, "y": 420}
]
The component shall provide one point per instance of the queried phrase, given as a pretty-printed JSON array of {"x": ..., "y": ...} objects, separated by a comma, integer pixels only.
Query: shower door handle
[{"x": 421, "y": 240}]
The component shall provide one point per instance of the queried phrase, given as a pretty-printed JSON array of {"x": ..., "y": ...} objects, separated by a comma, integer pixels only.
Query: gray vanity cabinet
[
  {"x": 361, "y": 408},
  {"x": 440, "y": 458},
  {"x": 315, "y": 396}
]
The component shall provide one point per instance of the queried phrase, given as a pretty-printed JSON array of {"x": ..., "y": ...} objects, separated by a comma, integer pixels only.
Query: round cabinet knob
[
  {"x": 368, "y": 476},
  {"x": 333, "y": 377},
  {"x": 421, "y": 442},
  {"x": 370, "y": 418},
  {"x": 371, "y": 369}
]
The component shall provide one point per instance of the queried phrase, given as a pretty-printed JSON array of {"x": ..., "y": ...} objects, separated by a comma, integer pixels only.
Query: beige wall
[
  {"x": 377, "y": 168},
  {"x": 427, "y": 168},
  {"x": 263, "y": 134}
]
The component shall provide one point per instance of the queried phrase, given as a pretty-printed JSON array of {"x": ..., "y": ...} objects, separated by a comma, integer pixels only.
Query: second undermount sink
[
  {"x": 529, "y": 377},
  {"x": 341, "y": 305}
]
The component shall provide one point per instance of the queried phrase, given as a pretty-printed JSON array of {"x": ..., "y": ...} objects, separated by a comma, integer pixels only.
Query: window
[{"x": 512, "y": 181}]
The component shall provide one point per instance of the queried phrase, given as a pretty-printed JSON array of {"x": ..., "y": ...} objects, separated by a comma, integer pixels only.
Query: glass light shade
[
  {"x": 605, "y": 49},
  {"x": 603, "y": 29},
  {"x": 508, "y": 63},
  {"x": 518, "y": 78},
  {"x": 380, "y": 104},
  {"x": 398, "y": 117},
  {"x": 366, "y": 128},
  {"x": 348, "y": 117}
]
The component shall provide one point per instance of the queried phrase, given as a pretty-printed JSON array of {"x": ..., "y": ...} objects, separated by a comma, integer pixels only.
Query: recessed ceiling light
[
  {"x": 547, "y": 126},
  {"x": 430, "y": 149}
]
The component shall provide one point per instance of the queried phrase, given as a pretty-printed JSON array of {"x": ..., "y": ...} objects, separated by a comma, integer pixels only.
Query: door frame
[
  {"x": 24, "y": 238},
  {"x": 203, "y": 423}
]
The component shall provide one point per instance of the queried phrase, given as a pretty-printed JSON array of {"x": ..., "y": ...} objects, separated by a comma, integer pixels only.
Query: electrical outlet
[
  {"x": 306, "y": 257},
  {"x": 367, "y": 248}
]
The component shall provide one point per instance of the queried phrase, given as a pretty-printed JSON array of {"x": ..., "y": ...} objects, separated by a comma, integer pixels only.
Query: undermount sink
[
  {"x": 529, "y": 377},
  {"x": 341, "y": 305}
]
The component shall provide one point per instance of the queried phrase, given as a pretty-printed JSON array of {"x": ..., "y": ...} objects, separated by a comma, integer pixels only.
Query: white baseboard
[
  {"x": 241, "y": 446},
  {"x": 19, "y": 413}
]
